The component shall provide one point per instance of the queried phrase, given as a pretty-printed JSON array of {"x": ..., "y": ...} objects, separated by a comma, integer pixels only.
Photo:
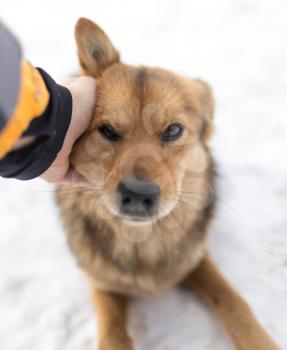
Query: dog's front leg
[
  {"x": 234, "y": 312},
  {"x": 111, "y": 312}
]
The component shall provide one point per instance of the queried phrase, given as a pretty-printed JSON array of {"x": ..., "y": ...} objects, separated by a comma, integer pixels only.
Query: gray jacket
[{"x": 10, "y": 58}]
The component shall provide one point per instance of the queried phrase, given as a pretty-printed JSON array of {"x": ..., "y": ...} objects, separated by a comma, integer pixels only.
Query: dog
[{"x": 141, "y": 224}]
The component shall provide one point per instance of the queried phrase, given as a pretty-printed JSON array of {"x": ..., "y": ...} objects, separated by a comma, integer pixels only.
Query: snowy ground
[{"x": 240, "y": 47}]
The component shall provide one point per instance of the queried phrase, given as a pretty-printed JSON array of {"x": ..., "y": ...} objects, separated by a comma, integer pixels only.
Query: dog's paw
[{"x": 123, "y": 342}]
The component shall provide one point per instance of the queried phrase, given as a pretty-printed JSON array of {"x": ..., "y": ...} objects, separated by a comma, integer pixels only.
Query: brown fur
[{"x": 118, "y": 256}]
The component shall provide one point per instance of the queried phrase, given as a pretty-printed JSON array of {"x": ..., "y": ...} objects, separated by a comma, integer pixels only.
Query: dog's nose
[{"x": 138, "y": 198}]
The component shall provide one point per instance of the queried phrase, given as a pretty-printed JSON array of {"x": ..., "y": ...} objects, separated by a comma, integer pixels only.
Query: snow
[{"x": 238, "y": 46}]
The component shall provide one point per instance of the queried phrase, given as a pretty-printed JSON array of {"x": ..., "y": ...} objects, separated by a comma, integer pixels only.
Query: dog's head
[{"x": 146, "y": 144}]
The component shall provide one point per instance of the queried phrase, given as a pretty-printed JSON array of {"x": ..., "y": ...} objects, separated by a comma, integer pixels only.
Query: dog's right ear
[{"x": 95, "y": 50}]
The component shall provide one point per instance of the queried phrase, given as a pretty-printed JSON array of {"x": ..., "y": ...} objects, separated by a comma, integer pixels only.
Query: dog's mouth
[
  {"x": 135, "y": 215},
  {"x": 139, "y": 214}
]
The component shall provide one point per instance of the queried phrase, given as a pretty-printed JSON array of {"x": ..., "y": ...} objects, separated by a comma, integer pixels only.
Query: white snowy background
[{"x": 240, "y": 47}]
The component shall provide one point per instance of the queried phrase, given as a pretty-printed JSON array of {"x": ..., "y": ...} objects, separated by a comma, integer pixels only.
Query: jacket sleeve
[
  {"x": 10, "y": 61},
  {"x": 31, "y": 104}
]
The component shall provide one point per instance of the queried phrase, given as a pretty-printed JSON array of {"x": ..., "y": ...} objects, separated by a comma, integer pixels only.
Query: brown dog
[{"x": 140, "y": 227}]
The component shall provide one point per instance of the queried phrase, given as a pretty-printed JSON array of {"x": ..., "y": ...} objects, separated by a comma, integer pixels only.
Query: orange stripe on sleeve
[{"x": 32, "y": 102}]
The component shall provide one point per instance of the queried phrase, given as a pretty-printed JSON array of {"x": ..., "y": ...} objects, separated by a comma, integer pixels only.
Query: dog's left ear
[
  {"x": 95, "y": 50},
  {"x": 205, "y": 101}
]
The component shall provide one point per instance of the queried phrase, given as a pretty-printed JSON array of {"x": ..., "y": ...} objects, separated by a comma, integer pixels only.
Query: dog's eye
[
  {"x": 108, "y": 132},
  {"x": 172, "y": 133}
]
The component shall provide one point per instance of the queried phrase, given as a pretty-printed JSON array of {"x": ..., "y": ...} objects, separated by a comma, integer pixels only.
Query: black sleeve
[{"x": 50, "y": 129}]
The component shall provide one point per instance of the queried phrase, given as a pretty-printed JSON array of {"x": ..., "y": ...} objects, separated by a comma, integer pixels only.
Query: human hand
[{"x": 83, "y": 90}]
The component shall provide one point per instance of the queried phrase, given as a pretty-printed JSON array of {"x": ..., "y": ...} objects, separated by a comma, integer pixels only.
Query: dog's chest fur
[{"x": 135, "y": 260}]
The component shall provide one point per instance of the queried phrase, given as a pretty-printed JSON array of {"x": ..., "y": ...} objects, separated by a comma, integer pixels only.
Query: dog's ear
[
  {"x": 95, "y": 50},
  {"x": 205, "y": 101}
]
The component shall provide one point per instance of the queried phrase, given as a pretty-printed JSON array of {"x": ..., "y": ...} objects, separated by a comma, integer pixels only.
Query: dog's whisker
[
  {"x": 88, "y": 188},
  {"x": 58, "y": 195},
  {"x": 194, "y": 195},
  {"x": 70, "y": 190}
]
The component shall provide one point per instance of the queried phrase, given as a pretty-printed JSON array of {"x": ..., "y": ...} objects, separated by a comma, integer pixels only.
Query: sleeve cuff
[{"x": 50, "y": 129}]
